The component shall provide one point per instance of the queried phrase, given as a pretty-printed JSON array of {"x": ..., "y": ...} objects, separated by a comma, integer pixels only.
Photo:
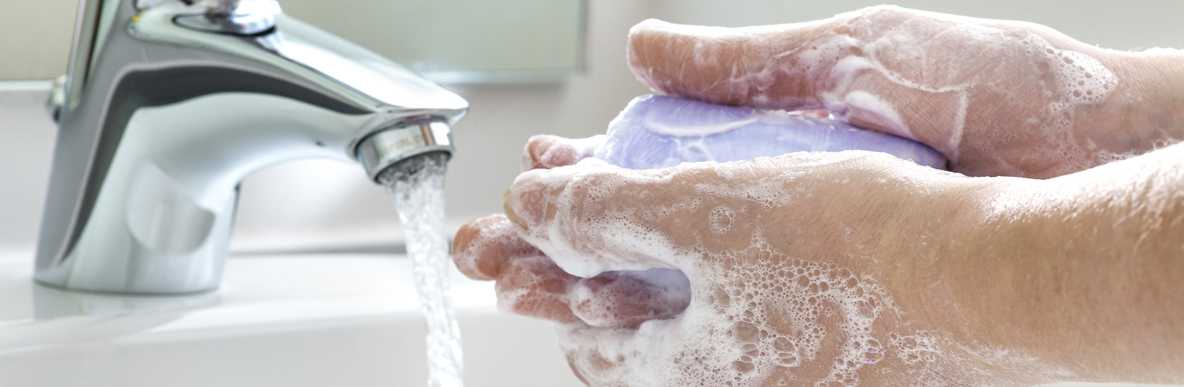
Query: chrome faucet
[{"x": 168, "y": 104}]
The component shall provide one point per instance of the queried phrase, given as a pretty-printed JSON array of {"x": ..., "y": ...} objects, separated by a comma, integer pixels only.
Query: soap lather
[{"x": 656, "y": 131}]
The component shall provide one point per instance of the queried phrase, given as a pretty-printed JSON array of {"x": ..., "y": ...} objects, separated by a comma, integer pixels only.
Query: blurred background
[{"x": 526, "y": 66}]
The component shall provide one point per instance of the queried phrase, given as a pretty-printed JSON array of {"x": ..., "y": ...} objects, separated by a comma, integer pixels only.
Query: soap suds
[
  {"x": 626, "y": 299},
  {"x": 755, "y": 315},
  {"x": 746, "y": 324}
]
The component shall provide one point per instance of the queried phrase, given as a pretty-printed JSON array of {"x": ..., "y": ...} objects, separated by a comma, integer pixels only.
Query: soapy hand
[
  {"x": 774, "y": 299},
  {"x": 996, "y": 97},
  {"x": 789, "y": 264},
  {"x": 841, "y": 268}
]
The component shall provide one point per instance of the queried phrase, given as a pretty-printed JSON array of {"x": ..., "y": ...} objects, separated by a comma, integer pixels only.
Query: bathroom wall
[{"x": 35, "y": 38}]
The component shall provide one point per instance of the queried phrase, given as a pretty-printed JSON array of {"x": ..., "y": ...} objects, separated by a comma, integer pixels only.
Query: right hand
[
  {"x": 997, "y": 98},
  {"x": 798, "y": 269}
]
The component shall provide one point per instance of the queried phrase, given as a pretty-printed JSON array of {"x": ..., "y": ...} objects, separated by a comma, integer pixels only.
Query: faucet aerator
[{"x": 394, "y": 147}]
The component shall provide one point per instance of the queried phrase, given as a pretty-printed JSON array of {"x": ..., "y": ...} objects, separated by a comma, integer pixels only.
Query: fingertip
[
  {"x": 482, "y": 246},
  {"x": 536, "y": 146},
  {"x": 548, "y": 151},
  {"x": 645, "y": 55},
  {"x": 461, "y": 244}
]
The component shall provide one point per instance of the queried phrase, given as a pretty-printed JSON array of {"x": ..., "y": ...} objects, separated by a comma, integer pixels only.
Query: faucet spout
[{"x": 168, "y": 104}]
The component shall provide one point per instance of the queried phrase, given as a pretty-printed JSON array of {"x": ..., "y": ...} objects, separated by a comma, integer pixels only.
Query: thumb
[{"x": 756, "y": 66}]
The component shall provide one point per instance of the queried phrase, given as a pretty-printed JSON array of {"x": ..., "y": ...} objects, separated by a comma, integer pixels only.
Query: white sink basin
[{"x": 291, "y": 321}]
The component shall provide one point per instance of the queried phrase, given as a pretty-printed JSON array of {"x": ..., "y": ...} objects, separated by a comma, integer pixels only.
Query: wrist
[
  {"x": 1064, "y": 270},
  {"x": 973, "y": 282},
  {"x": 977, "y": 249},
  {"x": 1145, "y": 111}
]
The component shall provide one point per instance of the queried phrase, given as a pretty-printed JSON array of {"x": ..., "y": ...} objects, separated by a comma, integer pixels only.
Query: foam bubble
[{"x": 722, "y": 219}]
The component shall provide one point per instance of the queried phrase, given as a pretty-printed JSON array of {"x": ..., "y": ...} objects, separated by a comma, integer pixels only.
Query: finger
[
  {"x": 592, "y": 217},
  {"x": 547, "y": 151},
  {"x": 627, "y": 299},
  {"x": 585, "y": 216},
  {"x": 481, "y": 247},
  {"x": 934, "y": 118},
  {"x": 535, "y": 287},
  {"x": 592, "y": 354},
  {"x": 776, "y": 66},
  {"x": 620, "y": 356}
]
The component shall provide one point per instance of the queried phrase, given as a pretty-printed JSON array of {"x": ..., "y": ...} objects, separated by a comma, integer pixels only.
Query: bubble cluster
[
  {"x": 920, "y": 347},
  {"x": 721, "y": 220},
  {"x": 769, "y": 317},
  {"x": 1081, "y": 80},
  {"x": 1085, "y": 80}
]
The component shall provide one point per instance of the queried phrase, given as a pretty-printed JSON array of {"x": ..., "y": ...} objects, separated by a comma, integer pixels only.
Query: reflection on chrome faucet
[{"x": 168, "y": 104}]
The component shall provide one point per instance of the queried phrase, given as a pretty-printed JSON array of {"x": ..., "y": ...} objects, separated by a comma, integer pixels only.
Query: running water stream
[{"x": 418, "y": 187}]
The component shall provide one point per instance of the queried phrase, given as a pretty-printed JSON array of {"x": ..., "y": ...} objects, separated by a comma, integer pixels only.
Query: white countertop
[{"x": 314, "y": 320}]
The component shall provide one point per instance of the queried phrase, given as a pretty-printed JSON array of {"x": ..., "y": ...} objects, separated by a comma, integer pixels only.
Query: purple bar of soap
[{"x": 659, "y": 131}]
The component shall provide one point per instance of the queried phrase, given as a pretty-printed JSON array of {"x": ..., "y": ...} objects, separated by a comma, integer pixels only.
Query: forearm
[{"x": 1084, "y": 272}]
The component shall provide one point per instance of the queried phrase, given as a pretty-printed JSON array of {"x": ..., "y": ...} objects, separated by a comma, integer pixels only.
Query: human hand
[
  {"x": 996, "y": 97},
  {"x": 796, "y": 269}
]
